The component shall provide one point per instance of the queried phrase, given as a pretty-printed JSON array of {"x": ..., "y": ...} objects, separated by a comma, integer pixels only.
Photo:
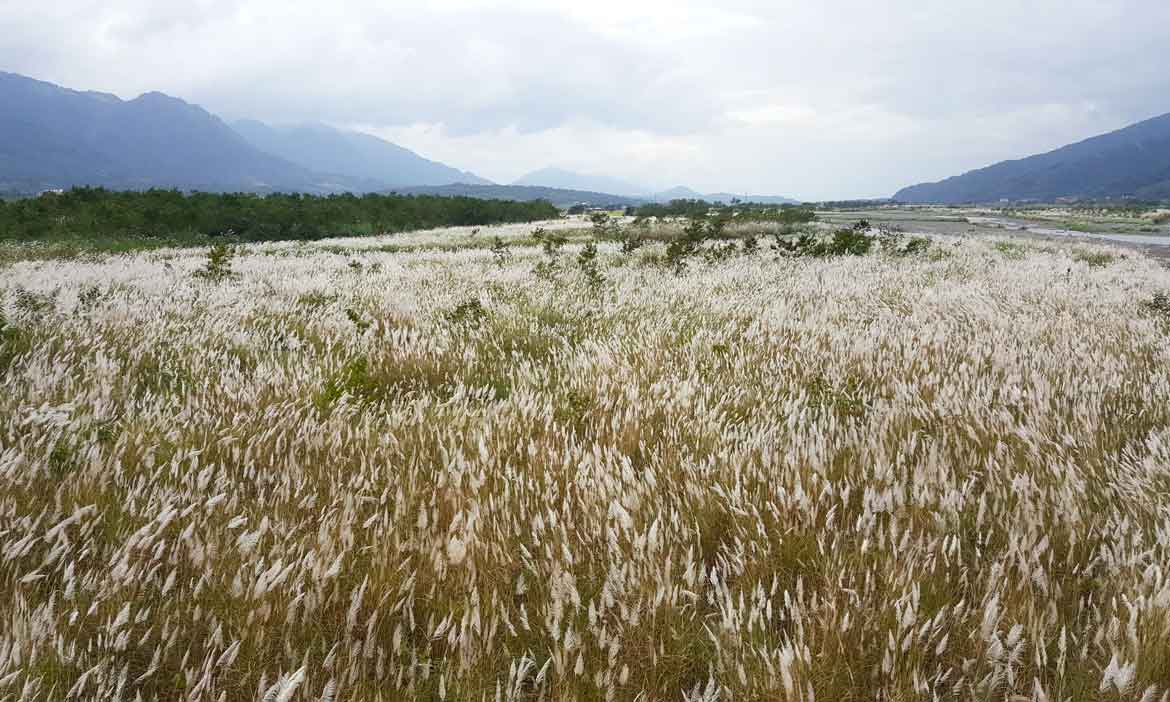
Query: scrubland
[{"x": 488, "y": 465}]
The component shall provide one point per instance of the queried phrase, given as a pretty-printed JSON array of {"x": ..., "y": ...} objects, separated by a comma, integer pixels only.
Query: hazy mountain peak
[
  {"x": 326, "y": 149},
  {"x": 679, "y": 192},
  {"x": 105, "y": 97},
  {"x": 156, "y": 96},
  {"x": 560, "y": 178}
]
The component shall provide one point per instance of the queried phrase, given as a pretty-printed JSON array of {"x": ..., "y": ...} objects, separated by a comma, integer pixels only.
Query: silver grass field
[{"x": 412, "y": 468}]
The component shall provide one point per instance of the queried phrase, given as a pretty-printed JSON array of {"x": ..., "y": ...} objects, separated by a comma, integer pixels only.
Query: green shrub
[
  {"x": 316, "y": 299},
  {"x": 1011, "y": 250},
  {"x": 89, "y": 297},
  {"x": 677, "y": 253},
  {"x": 469, "y": 312},
  {"x": 1157, "y": 306},
  {"x": 631, "y": 242},
  {"x": 848, "y": 242},
  {"x": 219, "y": 264},
  {"x": 792, "y": 246},
  {"x": 894, "y": 242},
  {"x": 720, "y": 252},
  {"x": 916, "y": 245},
  {"x": 500, "y": 253},
  {"x": 1094, "y": 259},
  {"x": 550, "y": 242},
  {"x": 589, "y": 266},
  {"x": 357, "y": 319},
  {"x": 33, "y": 305},
  {"x": 843, "y": 242},
  {"x": 14, "y": 342},
  {"x": 604, "y": 226}
]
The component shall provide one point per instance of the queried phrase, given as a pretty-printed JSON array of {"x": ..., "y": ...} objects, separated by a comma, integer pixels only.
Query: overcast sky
[{"x": 814, "y": 99}]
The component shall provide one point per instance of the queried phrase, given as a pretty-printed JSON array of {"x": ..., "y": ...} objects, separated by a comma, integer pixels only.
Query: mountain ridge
[
  {"x": 561, "y": 197},
  {"x": 559, "y": 178},
  {"x": 568, "y": 180},
  {"x": 325, "y": 149},
  {"x": 680, "y": 192},
  {"x": 1131, "y": 162},
  {"x": 56, "y": 137}
]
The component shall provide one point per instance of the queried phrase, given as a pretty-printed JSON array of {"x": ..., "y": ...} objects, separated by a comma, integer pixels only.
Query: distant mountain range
[
  {"x": 1133, "y": 162},
  {"x": 567, "y": 180},
  {"x": 567, "y": 197},
  {"x": 560, "y": 197},
  {"x": 52, "y": 137},
  {"x": 324, "y": 149},
  {"x": 683, "y": 193},
  {"x": 560, "y": 178}
]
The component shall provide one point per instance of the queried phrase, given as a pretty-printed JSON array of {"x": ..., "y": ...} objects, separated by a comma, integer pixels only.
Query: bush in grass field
[
  {"x": 500, "y": 253},
  {"x": 853, "y": 241},
  {"x": 219, "y": 264}
]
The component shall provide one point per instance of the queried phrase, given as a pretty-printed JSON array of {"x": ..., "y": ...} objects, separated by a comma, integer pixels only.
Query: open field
[
  {"x": 1050, "y": 218},
  {"x": 1147, "y": 230},
  {"x": 487, "y": 465}
]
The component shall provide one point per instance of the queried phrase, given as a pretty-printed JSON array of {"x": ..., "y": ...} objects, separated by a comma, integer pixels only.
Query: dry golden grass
[{"x": 413, "y": 474}]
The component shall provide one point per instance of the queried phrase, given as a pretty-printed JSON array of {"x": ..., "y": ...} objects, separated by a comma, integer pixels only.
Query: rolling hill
[{"x": 1133, "y": 162}]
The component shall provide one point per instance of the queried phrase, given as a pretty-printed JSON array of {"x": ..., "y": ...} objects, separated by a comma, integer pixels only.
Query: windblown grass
[{"x": 437, "y": 475}]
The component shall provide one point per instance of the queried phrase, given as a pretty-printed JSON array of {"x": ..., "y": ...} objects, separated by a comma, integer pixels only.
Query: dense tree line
[
  {"x": 855, "y": 204},
  {"x": 96, "y": 212},
  {"x": 676, "y": 208},
  {"x": 742, "y": 211},
  {"x": 785, "y": 214}
]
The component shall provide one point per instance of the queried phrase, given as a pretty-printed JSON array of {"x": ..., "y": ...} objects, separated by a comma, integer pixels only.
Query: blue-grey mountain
[
  {"x": 1133, "y": 162},
  {"x": 54, "y": 137},
  {"x": 681, "y": 192},
  {"x": 568, "y": 180},
  {"x": 560, "y": 197},
  {"x": 323, "y": 149}
]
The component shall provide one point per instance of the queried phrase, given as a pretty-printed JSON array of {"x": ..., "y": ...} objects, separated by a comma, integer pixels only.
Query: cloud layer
[{"x": 841, "y": 98}]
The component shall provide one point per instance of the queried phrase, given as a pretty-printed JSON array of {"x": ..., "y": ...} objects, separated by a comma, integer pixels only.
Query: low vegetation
[{"x": 725, "y": 463}]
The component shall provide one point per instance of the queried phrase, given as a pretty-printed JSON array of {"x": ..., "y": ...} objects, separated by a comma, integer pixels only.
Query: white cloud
[{"x": 775, "y": 114}]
